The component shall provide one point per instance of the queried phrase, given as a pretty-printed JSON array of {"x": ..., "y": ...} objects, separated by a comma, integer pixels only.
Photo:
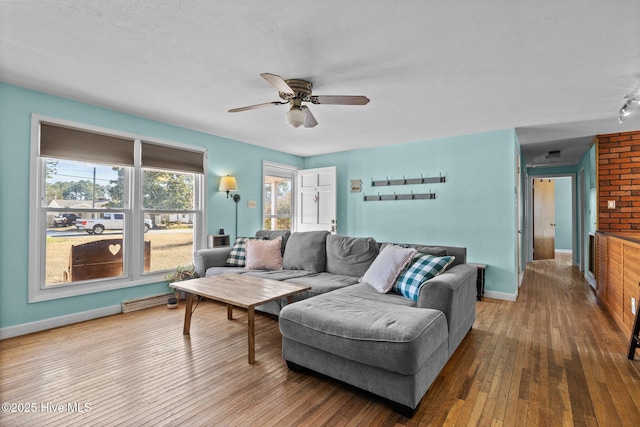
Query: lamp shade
[
  {"x": 228, "y": 183},
  {"x": 295, "y": 117}
]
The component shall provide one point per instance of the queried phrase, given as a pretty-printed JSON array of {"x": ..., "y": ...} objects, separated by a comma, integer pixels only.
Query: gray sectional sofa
[{"x": 384, "y": 343}]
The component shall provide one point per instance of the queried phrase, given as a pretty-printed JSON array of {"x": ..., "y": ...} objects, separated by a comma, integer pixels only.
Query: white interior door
[{"x": 316, "y": 206}]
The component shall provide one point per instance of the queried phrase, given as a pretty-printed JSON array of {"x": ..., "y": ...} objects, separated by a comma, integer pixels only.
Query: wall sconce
[{"x": 228, "y": 184}]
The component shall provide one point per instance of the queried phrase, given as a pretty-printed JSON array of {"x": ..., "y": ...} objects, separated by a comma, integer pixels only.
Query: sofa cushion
[
  {"x": 236, "y": 257},
  {"x": 264, "y": 254},
  {"x": 323, "y": 282},
  {"x": 387, "y": 266},
  {"x": 357, "y": 323},
  {"x": 431, "y": 250},
  {"x": 306, "y": 251},
  {"x": 422, "y": 268},
  {"x": 274, "y": 234},
  {"x": 277, "y": 274},
  {"x": 350, "y": 256},
  {"x": 215, "y": 271}
]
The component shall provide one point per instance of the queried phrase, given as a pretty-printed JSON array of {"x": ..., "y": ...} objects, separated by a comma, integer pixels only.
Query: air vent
[{"x": 555, "y": 154}]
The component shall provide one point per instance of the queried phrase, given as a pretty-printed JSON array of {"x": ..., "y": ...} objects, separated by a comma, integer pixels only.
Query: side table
[
  {"x": 480, "y": 279},
  {"x": 217, "y": 240}
]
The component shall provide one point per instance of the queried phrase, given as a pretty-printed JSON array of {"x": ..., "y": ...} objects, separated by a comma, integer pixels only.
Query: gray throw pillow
[
  {"x": 306, "y": 250},
  {"x": 273, "y": 235},
  {"x": 350, "y": 256}
]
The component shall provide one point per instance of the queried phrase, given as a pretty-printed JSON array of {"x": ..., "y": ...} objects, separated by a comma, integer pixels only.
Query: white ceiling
[{"x": 556, "y": 71}]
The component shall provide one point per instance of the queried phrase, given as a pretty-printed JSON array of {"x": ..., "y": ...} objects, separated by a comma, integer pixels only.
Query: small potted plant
[{"x": 183, "y": 272}]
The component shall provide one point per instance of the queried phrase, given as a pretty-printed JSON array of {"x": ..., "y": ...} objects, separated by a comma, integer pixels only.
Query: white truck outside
[{"x": 109, "y": 221}]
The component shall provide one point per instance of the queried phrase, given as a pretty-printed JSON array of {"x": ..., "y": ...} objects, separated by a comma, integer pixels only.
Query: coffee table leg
[
  {"x": 229, "y": 312},
  {"x": 252, "y": 337},
  {"x": 187, "y": 313}
]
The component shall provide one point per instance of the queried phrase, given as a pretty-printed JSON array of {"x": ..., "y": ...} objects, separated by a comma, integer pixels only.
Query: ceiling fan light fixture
[{"x": 295, "y": 116}]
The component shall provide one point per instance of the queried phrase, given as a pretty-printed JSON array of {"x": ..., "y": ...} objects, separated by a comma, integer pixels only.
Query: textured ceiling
[{"x": 557, "y": 72}]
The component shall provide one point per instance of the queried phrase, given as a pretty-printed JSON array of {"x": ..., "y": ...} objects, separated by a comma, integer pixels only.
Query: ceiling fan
[{"x": 294, "y": 92}]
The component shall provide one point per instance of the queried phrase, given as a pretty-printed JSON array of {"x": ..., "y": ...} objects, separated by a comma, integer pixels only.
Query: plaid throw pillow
[
  {"x": 238, "y": 252},
  {"x": 423, "y": 268}
]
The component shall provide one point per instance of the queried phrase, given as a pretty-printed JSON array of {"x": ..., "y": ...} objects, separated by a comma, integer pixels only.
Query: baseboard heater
[{"x": 146, "y": 302}]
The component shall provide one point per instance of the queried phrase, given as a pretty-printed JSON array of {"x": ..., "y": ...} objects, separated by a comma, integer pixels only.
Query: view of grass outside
[{"x": 169, "y": 249}]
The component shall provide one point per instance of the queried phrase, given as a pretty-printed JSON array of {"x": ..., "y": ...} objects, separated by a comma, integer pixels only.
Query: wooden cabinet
[
  {"x": 601, "y": 266},
  {"x": 618, "y": 275},
  {"x": 631, "y": 282}
]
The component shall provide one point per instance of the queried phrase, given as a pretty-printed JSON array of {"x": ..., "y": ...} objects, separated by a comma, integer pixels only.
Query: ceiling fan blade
[
  {"x": 277, "y": 82},
  {"x": 340, "y": 100},
  {"x": 309, "y": 120},
  {"x": 253, "y": 107}
]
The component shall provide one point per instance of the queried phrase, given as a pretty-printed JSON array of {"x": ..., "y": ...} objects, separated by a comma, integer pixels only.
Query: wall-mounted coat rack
[
  {"x": 408, "y": 181},
  {"x": 412, "y": 196}
]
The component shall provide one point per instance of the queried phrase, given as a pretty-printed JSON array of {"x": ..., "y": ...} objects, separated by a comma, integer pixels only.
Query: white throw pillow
[
  {"x": 387, "y": 266},
  {"x": 264, "y": 254}
]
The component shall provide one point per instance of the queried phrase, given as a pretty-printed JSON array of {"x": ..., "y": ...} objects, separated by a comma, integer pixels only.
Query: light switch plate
[
  {"x": 611, "y": 204},
  {"x": 251, "y": 204}
]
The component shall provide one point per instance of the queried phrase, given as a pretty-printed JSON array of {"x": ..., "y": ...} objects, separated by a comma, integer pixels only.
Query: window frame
[
  {"x": 282, "y": 171},
  {"x": 133, "y": 233}
]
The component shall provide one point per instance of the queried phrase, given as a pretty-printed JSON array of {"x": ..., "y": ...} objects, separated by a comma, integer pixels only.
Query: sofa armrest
[
  {"x": 205, "y": 258},
  {"x": 452, "y": 292}
]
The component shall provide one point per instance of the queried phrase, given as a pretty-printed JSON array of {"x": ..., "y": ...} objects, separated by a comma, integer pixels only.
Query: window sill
[{"x": 66, "y": 291}]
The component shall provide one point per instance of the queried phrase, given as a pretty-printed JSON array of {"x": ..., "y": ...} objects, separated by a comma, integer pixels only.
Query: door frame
[
  {"x": 576, "y": 240},
  {"x": 581, "y": 228},
  {"x": 285, "y": 171}
]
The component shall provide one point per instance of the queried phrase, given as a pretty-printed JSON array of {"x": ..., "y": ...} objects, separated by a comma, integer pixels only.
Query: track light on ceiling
[{"x": 629, "y": 101}]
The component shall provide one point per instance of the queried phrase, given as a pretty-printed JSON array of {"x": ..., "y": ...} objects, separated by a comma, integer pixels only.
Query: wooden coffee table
[{"x": 236, "y": 290}]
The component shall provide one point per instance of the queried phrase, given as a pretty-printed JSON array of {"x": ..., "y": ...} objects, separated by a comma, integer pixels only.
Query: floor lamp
[{"x": 228, "y": 184}]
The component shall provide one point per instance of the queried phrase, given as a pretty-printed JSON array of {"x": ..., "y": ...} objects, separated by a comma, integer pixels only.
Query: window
[
  {"x": 109, "y": 210},
  {"x": 277, "y": 199}
]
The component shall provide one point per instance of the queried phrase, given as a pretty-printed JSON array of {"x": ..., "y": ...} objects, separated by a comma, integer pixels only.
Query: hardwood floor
[{"x": 554, "y": 357}]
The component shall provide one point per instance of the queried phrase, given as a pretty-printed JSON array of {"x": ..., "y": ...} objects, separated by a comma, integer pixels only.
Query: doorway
[
  {"x": 544, "y": 233},
  {"x": 552, "y": 221}
]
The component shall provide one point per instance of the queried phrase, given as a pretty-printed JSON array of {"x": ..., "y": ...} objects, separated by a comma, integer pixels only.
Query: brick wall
[{"x": 619, "y": 180}]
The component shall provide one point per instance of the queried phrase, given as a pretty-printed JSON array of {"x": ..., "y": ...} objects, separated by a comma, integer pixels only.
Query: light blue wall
[
  {"x": 16, "y": 107},
  {"x": 475, "y": 208},
  {"x": 563, "y": 213}
]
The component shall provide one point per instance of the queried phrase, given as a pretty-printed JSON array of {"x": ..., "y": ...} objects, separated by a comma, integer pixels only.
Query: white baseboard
[
  {"x": 500, "y": 295},
  {"x": 564, "y": 251},
  {"x": 41, "y": 325}
]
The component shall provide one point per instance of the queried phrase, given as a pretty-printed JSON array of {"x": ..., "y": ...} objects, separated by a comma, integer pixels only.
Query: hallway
[{"x": 557, "y": 358}]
